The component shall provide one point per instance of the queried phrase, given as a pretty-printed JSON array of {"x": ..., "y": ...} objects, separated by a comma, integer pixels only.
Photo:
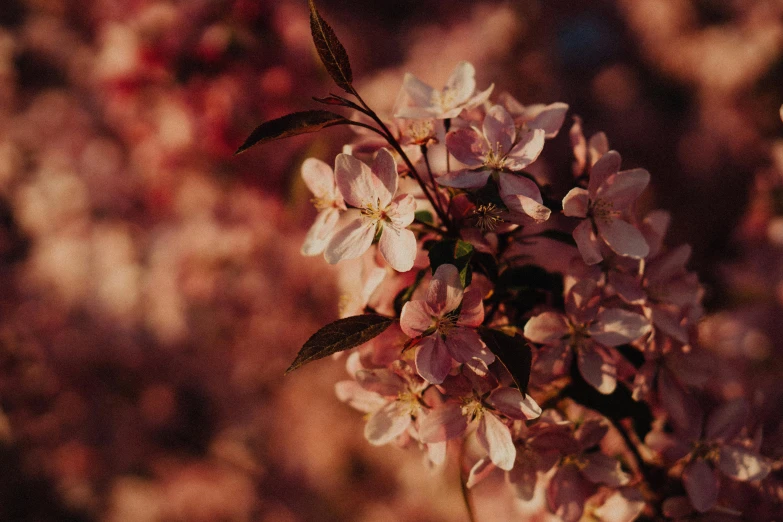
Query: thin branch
[
  {"x": 396, "y": 145},
  {"x": 466, "y": 497}
]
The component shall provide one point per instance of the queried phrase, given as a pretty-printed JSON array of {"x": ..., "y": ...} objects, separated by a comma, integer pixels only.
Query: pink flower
[
  {"x": 707, "y": 446},
  {"x": 549, "y": 118},
  {"x": 498, "y": 151},
  {"x": 393, "y": 399},
  {"x": 586, "y": 153},
  {"x": 587, "y": 330},
  {"x": 319, "y": 178},
  {"x": 377, "y": 209},
  {"x": 446, "y": 335},
  {"x": 420, "y": 101},
  {"x": 485, "y": 408},
  {"x": 608, "y": 194}
]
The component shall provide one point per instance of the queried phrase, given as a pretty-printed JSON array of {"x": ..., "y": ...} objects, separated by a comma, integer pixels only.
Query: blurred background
[{"x": 152, "y": 291}]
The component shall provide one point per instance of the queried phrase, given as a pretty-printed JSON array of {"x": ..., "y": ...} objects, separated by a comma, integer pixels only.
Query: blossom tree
[{"x": 539, "y": 367}]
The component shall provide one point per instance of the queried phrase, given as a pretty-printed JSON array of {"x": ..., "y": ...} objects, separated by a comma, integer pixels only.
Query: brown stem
[
  {"x": 466, "y": 497},
  {"x": 396, "y": 145}
]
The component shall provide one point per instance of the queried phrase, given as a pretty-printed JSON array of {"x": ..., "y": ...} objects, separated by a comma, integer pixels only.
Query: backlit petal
[
  {"x": 575, "y": 203},
  {"x": 351, "y": 241},
  {"x": 622, "y": 237}
]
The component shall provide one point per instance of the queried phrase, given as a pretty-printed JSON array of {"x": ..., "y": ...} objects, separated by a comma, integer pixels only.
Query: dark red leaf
[
  {"x": 340, "y": 335},
  {"x": 292, "y": 125},
  {"x": 331, "y": 51}
]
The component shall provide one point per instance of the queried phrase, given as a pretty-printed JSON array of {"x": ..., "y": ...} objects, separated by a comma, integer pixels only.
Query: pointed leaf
[
  {"x": 292, "y": 125},
  {"x": 340, "y": 335},
  {"x": 331, "y": 51},
  {"x": 512, "y": 352},
  {"x": 453, "y": 252}
]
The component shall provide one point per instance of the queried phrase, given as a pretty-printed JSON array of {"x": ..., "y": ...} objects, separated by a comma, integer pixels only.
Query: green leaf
[
  {"x": 331, "y": 51},
  {"x": 406, "y": 293},
  {"x": 292, "y": 125},
  {"x": 340, "y": 335},
  {"x": 425, "y": 216},
  {"x": 513, "y": 352},
  {"x": 453, "y": 252}
]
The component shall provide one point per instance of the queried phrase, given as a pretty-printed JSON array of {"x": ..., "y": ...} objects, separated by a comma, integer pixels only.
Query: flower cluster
[{"x": 546, "y": 345}]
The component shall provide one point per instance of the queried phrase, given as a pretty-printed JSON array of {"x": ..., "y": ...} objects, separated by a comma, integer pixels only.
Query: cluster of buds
[{"x": 477, "y": 317}]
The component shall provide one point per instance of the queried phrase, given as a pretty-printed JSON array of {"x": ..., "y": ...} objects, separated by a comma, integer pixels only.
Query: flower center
[
  {"x": 322, "y": 203},
  {"x": 375, "y": 213},
  {"x": 445, "y": 324},
  {"x": 603, "y": 210},
  {"x": 486, "y": 217},
  {"x": 472, "y": 409},
  {"x": 410, "y": 402},
  {"x": 421, "y": 131},
  {"x": 495, "y": 158}
]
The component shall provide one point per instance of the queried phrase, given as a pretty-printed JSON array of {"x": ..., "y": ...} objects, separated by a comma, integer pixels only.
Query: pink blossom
[
  {"x": 549, "y": 118},
  {"x": 492, "y": 432},
  {"x": 586, "y": 153},
  {"x": 420, "y": 101},
  {"x": 393, "y": 399},
  {"x": 319, "y": 178},
  {"x": 378, "y": 208},
  {"x": 708, "y": 446},
  {"x": 608, "y": 195},
  {"x": 445, "y": 335},
  {"x": 587, "y": 330},
  {"x": 498, "y": 151}
]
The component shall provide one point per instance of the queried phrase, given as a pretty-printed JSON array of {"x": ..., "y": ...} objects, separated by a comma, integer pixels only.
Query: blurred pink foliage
[{"x": 154, "y": 291}]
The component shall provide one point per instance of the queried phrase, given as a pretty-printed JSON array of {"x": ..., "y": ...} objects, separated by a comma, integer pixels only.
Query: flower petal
[
  {"x": 597, "y": 366},
  {"x": 587, "y": 243},
  {"x": 575, "y": 203},
  {"x": 546, "y": 328},
  {"x": 465, "y": 344},
  {"x": 622, "y": 237},
  {"x": 320, "y": 232},
  {"x": 603, "y": 469},
  {"x": 495, "y": 437},
  {"x": 522, "y": 195},
  {"x": 606, "y": 166},
  {"x": 499, "y": 130},
  {"x": 727, "y": 420},
  {"x": 742, "y": 464},
  {"x": 465, "y": 179},
  {"x": 468, "y": 146},
  {"x": 357, "y": 183},
  {"x": 398, "y": 247},
  {"x": 445, "y": 290},
  {"x": 387, "y": 424},
  {"x": 623, "y": 188},
  {"x": 352, "y": 393},
  {"x": 402, "y": 210},
  {"x": 527, "y": 149},
  {"x": 548, "y": 118},
  {"x": 460, "y": 85},
  {"x": 415, "y": 318},
  {"x": 702, "y": 484},
  {"x": 567, "y": 494},
  {"x": 624, "y": 505},
  {"x": 443, "y": 423},
  {"x": 472, "y": 312},
  {"x": 420, "y": 97},
  {"x": 514, "y": 404},
  {"x": 433, "y": 361},
  {"x": 351, "y": 241},
  {"x": 615, "y": 326},
  {"x": 480, "y": 470},
  {"x": 385, "y": 169},
  {"x": 319, "y": 178}
]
